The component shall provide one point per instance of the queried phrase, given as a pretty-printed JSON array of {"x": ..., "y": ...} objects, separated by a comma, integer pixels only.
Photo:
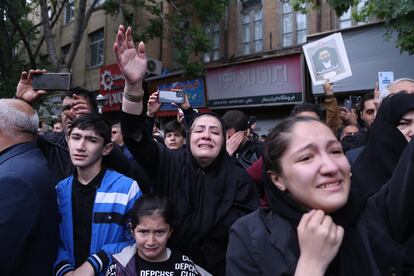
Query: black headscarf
[
  {"x": 384, "y": 146},
  {"x": 350, "y": 259},
  {"x": 206, "y": 198}
]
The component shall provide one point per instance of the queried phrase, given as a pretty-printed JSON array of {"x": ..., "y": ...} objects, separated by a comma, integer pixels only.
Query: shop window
[
  {"x": 96, "y": 46},
  {"x": 294, "y": 26},
  {"x": 69, "y": 11},
  {"x": 213, "y": 32}
]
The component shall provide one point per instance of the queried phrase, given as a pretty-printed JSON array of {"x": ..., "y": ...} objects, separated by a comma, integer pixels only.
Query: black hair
[
  {"x": 89, "y": 96},
  {"x": 152, "y": 204},
  {"x": 173, "y": 126},
  {"x": 278, "y": 139},
  {"x": 235, "y": 119},
  {"x": 366, "y": 97},
  {"x": 306, "y": 107},
  {"x": 95, "y": 122}
]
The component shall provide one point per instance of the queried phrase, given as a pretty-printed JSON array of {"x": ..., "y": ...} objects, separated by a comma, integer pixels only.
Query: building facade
[{"x": 256, "y": 63}]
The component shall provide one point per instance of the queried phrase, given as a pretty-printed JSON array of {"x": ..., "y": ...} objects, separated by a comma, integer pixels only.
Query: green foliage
[
  {"x": 398, "y": 16},
  {"x": 186, "y": 22}
]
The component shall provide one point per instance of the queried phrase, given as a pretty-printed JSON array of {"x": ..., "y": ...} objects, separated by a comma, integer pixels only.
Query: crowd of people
[{"x": 328, "y": 191}]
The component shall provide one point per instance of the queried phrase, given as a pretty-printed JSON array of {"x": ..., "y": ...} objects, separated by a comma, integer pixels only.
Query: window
[
  {"x": 96, "y": 40},
  {"x": 252, "y": 31},
  {"x": 258, "y": 31},
  {"x": 246, "y": 34},
  {"x": 287, "y": 15},
  {"x": 294, "y": 24},
  {"x": 69, "y": 11},
  {"x": 346, "y": 21},
  {"x": 213, "y": 32}
]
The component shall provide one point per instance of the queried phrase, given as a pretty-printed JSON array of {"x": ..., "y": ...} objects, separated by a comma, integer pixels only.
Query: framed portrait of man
[{"x": 327, "y": 59}]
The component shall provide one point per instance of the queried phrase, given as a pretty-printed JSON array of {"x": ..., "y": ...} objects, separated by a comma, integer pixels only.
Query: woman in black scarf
[
  {"x": 387, "y": 138},
  {"x": 208, "y": 190},
  {"x": 317, "y": 224}
]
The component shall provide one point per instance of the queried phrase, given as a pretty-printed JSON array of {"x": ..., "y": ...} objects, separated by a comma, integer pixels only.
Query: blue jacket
[
  {"x": 113, "y": 200},
  {"x": 28, "y": 212}
]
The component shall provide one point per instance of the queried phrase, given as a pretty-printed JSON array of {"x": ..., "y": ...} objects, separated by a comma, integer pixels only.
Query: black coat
[
  {"x": 206, "y": 201},
  {"x": 379, "y": 233},
  {"x": 28, "y": 212},
  {"x": 384, "y": 146}
]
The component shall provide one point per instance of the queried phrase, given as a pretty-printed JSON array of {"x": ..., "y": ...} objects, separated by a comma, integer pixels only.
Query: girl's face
[
  {"x": 406, "y": 125},
  {"x": 314, "y": 169},
  {"x": 151, "y": 236}
]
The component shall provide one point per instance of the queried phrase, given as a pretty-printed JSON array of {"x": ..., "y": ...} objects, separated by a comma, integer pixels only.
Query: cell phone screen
[
  {"x": 171, "y": 96},
  {"x": 51, "y": 81}
]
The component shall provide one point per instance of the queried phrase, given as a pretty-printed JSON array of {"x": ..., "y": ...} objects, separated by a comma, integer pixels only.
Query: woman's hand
[
  {"x": 132, "y": 61},
  {"x": 319, "y": 242},
  {"x": 233, "y": 143},
  {"x": 153, "y": 105}
]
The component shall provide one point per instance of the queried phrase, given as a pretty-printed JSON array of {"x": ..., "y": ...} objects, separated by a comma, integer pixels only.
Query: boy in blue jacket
[{"x": 93, "y": 202}]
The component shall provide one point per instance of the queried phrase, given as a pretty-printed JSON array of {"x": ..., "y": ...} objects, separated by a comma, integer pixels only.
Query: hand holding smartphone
[
  {"x": 51, "y": 81},
  {"x": 171, "y": 96}
]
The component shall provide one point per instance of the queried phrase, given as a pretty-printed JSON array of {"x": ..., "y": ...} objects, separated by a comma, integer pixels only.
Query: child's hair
[
  {"x": 151, "y": 204},
  {"x": 95, "y": 122},
  {"x": 173, "y": 126}
]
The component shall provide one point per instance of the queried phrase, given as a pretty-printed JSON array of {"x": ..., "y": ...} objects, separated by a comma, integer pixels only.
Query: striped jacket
[{"x": 113, "y": 200}]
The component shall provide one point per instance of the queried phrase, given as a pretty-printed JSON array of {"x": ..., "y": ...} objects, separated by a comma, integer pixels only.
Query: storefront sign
[
  {"x": 111, "y": 86},
  {"x": 270, "y": 82}
]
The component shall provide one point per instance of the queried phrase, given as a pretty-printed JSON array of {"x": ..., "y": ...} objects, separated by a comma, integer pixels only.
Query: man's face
[
  {"x": 349, "y": 130},
  {"x": 369, "y": 112},
  {"x": 72, "y": 107},
  {"x": 116, "y": 136},
  {"x": 57, "y": 127},
  {"x": 87, "y": 148},
  {"x": 174, "y": 140},
  {"x": 324, "y": 56}
]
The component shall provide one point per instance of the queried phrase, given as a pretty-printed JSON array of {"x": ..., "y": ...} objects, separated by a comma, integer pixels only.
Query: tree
[
  {"x": 185, "y": 24},
  {"x": 397, "y": 14}
]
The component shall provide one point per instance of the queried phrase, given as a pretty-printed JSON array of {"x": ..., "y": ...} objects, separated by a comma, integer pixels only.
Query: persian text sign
[{"x": 268, "y": 82}]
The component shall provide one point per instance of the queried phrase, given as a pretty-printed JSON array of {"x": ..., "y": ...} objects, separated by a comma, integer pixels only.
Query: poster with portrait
[{"x": 327, "y": 59}]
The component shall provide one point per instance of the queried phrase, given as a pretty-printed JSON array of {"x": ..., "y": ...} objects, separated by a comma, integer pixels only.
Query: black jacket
[
  {"x": 206, "y": 201},
  {"x": 379, "y": 234}
]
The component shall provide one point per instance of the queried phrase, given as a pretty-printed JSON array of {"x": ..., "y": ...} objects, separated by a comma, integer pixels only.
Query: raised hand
[
  {"x": 25, "y": 91},
  {"x": 131, "y": 60},
  {"x": 328, "y": 88},
  {"x": 319, "y": 241},
  {"x": 153, "y": 105}
]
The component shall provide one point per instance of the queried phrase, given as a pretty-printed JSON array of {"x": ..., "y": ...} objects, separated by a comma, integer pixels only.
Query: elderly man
[{"x": 28, "y": 217}]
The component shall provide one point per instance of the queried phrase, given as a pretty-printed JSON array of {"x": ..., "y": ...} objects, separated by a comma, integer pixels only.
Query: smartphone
[
  {"x": 384, "y": 79},
  {"x": 51, "y": 81},
  {"x": 348, "y": 104},
  {"x": 171, "y": 96}
]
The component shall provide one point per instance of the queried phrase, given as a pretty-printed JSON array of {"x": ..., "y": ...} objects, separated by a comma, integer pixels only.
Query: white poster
[{"x": 327, "y": 59}]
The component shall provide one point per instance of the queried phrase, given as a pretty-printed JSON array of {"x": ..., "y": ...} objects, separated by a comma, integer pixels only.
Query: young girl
[
  {"x": 317, "y": 224},
  {"x": 151, "y": 221}
]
